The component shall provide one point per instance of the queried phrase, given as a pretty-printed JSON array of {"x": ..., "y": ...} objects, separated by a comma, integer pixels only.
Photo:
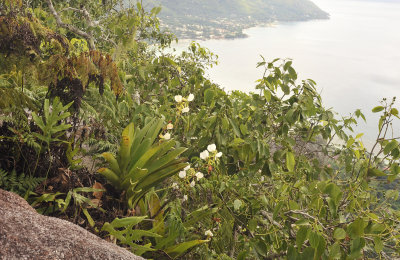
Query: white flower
[
  {"x": 209, "y": 233},
  {"x": 182, "y": 174},
  {"x": 187, "y": 168},
  {"x": 204, "y": 155},
  {"x": 178, "y": 98},
  {"x": 185, "y": 198},
  {"x": 192, "y": 184},
  {"x": 170, "y": 126},
  {"x": 218, "y": 154},
  {"x": 262, "y": 178},
  {"x": 175, "y": 186},
  {"x": 190, "y": 97},
  {"x": 185, "y": 110},
  {"x": 212, "y": 148},
  {"x": 199, "y": 175},
  {"x": 167, "y": 136}
]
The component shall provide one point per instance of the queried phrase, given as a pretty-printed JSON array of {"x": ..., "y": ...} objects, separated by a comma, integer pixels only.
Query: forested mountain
[{"x": 207, "y": 18}]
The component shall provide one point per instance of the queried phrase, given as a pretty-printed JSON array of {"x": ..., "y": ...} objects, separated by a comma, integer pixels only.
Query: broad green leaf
[
  {"x": 320, "y": 248},
  {"x": 209, "y": 96},
  {"x": 356, "y": 229},
  {"x": 334, "y": 251},
  {"x": 339, "y": 234},
  {"x": 277, "y": 209},
  {"x": 377, "y": 109},
  {"x": 128, "y": 221},
  {"x": 394, "y": 112},
  {"x": 180, "y": 249},
  {"x": 243, "y": 129},
  {"x": 112, "y": 162},
  {"x": 237, "y": 204},
  {"x": 373, "y": 172},
  {"x": 390, "y": 146},
  {"x": 378, "y": 244},
  {"x": 110, "y": 176},
  {"x": 350, "y": 142},
  {"x": 301, "y": 236},
  {"x": 267, "y": 95},
  {"x": 235, "y": 128},
  {"x": 290, "y": 161},
  {"x": 313, "y": 238}
]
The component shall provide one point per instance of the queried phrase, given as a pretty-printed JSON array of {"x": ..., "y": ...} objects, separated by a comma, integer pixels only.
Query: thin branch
[
  {"x": 70, "y": 27},
  {"x": 304, "y": 214}
]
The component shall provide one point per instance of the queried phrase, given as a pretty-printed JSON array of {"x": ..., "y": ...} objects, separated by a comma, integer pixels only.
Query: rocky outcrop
[{"x": 25, "y": 234}]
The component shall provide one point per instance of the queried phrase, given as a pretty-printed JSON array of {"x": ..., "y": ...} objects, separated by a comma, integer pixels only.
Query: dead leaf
[{"x": 98, "y": 194}]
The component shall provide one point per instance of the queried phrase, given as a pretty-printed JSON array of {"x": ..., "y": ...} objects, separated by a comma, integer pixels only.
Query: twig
[
  {"x": 306, "y": 215},
  {"x": 70, "y": 27}
]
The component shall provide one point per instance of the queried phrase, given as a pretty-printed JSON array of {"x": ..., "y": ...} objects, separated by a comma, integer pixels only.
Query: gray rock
[{"x": 25, "y": 234}]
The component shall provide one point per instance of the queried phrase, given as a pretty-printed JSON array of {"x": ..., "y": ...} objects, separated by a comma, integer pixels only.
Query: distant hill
[{"x": 207, "y": 17}]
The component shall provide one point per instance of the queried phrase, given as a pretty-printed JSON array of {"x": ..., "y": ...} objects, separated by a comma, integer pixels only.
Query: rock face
[{"x": 25, "y": 234}]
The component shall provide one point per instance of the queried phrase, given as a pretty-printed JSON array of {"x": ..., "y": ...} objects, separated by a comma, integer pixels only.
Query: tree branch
[{"x": 70, "y": 27}]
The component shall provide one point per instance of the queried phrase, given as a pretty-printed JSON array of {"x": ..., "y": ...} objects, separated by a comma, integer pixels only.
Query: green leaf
[
  {"x": 356, "y": 229},
  {"x": 243, "y": 129},
  {"x": 285, "y": 88},
  {"x": 350, "y": 142},
  {"x": 301, "y": 236},
  {"x": 373, "y": 172},
  {"x": 394, "y": 112},
  {"x": 180, "y": 249},
  {"x": 313, "y": 238},
  {"x": 128, "y": 221},
  {"x": 290, "y": 161},
  {"x": 237, "y": 204},
  {"x": 320, "y": 248},
  {"x": 277, "y": 209},
  {"x": 378, "y": 244},
  {"x": 260, "y": 247},
  {"x": 235, "y": 128},
  {"x": 334, "y": 251},
  {"x": 292, "y": 73},
  {"x": 89, "y": 218},
  {"x": 377, "y": 109},
  {"x": 267, "y": 95},
  {"x": 390, "y": 146},
  {"x": 253, "y": 225},
  {"x": 356, "y": 248},
  {"x": 209, "y": 95},
  {"x": 339, "y": 234}
]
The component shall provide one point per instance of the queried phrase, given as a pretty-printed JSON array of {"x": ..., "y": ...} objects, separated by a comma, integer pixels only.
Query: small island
[{"x": 225, "y": 19}]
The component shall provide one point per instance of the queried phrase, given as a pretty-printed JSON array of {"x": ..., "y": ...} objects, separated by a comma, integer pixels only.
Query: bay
[{"x": 354, "y": 56}]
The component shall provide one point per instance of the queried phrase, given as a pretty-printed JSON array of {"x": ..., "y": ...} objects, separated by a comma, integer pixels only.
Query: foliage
[
  {"x": 50, "y": 123},
  {"x": 271, "y": 174},
  {"x": 18, "y": 183},
  {"x": 49, "y": 203},
  {"x": 142, "y": 163}
]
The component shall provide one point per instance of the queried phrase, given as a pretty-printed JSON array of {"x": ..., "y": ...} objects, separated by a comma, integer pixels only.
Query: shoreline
[{"x": 233, "y": 35}]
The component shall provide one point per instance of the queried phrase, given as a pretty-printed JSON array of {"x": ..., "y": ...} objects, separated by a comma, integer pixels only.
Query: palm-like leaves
[{"x": 141, "y": 162}]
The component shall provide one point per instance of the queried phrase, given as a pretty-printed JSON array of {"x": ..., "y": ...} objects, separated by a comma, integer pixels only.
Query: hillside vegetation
[
  {"x": 281, "y": 10},
  {"x": 231, "y": 16},
  {"x": 102, "y": 125}
]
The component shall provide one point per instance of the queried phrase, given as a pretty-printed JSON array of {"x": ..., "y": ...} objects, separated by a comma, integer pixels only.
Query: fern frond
[{"x": 18, "y": 183}]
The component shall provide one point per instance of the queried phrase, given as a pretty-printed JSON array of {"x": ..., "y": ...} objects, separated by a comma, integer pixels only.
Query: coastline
[{"x": 236, "y": 32}]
